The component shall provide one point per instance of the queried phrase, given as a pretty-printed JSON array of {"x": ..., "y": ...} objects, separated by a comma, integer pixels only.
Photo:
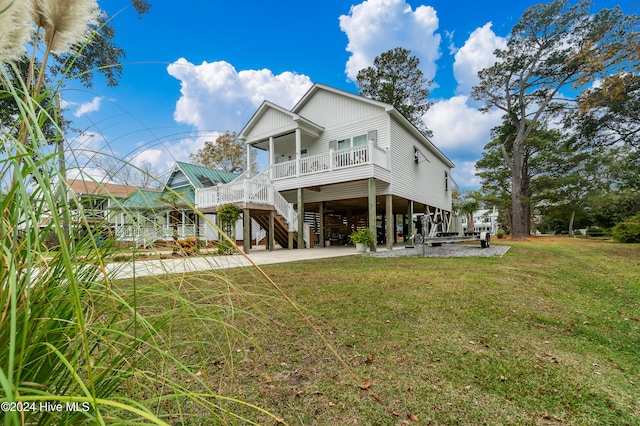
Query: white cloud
[
  {"x": 150, "y": 156},
  {"x": 88, "y": 107},
  {"x": 465, "y": 175},
  {"x": 459, "y": 128},
  {"x": 475, "y": 55},
  {"x": 375, "y": 26},
  {"x": 87, "y": 173},
  {"x": 86, "y": 144},
  {"x": 214, "y": 96},
  {"x": 452, "y": 47}
]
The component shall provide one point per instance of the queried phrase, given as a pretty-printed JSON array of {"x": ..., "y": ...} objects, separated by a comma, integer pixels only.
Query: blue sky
[{"x": 200, "y": 68}]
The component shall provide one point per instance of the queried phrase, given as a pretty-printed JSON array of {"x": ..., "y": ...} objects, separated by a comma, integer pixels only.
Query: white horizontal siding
[
  {"x": 330, "y": 109},
  {"x": 423, "y": 182},
  {"x": 342, "y": 191},
  {"x": 334, "y": 176},
  {"x": 379, "y": 122},
  {"x": 272, "y": 122}
]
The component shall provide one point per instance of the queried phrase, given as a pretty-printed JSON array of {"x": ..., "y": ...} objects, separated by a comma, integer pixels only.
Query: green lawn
[{"x": 548, "y": 334}]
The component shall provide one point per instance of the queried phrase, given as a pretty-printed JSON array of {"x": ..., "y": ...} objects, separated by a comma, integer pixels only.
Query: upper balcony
[{"x": 358, "y": 162}]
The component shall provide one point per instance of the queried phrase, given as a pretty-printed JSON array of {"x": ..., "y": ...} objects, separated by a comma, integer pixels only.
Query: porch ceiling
[
  {"x": 361, "y": 206},
  {"x": 287, "y": 137}
]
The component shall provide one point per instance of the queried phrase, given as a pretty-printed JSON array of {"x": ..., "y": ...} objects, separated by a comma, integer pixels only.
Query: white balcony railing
[{"x": 333, "y": 160}]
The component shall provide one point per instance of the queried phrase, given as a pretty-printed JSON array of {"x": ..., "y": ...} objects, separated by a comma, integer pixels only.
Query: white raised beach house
[{"x": 337, "y": 162}]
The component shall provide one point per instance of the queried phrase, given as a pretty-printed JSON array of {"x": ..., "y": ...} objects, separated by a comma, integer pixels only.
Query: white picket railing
[
  {"x": 153, "y": 233},
  {"x": 248, "y": 191},
  {"x": 333, "y": 160}
]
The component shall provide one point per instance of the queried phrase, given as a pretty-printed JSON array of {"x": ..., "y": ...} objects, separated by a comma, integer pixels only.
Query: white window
[
  {"x": 351, "y": 142},
  {"x": 360, "y": 140},
  {"x": 344, "y": 143}
]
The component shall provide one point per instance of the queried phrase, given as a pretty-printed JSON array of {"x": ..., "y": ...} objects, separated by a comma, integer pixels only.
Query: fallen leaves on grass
[
  {"x": 366, "y": 385},
  {"x": 411, "y": 417},
  {"x": 548, "y": 416}
]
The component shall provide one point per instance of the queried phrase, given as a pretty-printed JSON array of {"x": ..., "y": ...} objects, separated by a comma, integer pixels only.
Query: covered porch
[
  {"x": 333, "y": 212},
  {"x": 293, "y": 163}
]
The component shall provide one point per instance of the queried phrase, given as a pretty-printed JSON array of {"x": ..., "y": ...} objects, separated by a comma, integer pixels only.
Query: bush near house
[
  {"x": 186, "y": 247},
  {"x": 627, "y": 231},
  {"x": 595, "y": 231},
  {"x": 228, "y": 215},
  {"x": 363, "y": 236}
]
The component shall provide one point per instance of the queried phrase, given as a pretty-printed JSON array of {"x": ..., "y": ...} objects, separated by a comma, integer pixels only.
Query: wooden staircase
[{"x": 280, "y": 227}]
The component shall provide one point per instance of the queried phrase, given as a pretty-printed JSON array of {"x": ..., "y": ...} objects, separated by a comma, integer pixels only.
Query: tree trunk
[
  {"x": 520, "y": 219},
  {"x": 573, "y": 215},
  {"x": 470, "y": 225},
  {"x": 521, "y": 210}
]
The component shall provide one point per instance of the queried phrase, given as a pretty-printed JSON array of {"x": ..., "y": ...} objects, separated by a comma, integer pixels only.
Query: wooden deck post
[
  {"x": 271, "y": 241},
  {"x": 246, "y": 231},
  {"x": 410, "y": 223},
  {"x": 321, "y": 230},
  {"x": 300, "y": 218},
  {"x": 390, "y": 222},
  {"x": 372, "y": 212}
]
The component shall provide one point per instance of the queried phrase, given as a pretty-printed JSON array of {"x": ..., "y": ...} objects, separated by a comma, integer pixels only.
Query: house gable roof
[
  {"x": 201, "y": 177},
  {"x": 196, "y": 177},
  {"x": 143, "y": 199},
  {"x": 318, "y": 87},
  {"x": 389, "y": 109},
  {"x": 289, "y": 122},
  {"x": 92, "y": 187}
]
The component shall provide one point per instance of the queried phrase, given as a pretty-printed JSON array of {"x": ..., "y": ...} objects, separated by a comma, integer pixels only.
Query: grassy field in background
[{"x": 548, "y": 334}]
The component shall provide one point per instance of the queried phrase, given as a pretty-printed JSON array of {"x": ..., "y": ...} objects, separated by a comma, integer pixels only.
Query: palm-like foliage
[{"x": 69, "y": 333}]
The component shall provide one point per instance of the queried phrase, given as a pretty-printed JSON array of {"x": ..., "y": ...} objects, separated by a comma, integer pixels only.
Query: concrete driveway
[{"x": 143, "y": 268}]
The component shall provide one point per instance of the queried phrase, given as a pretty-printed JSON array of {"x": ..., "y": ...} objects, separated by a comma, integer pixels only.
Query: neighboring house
[
  {"x": 337, "y": 162},
  {"x": 95, "y": 201},
  {"x": 148, "y": 216},
  {"x": 483, "y": 221}
]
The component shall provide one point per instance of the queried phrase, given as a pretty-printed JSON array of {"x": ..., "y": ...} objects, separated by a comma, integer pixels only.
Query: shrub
[
  {"x": 500, "y": 234},
  {"x": 70, "y": 333},
  {"x": 595, "y": 231},
  {"x": 228, "y": 215},
  {"x": 627, "y": 231},
  {"x": 186, "y": 247},
  {"x": 363, "y": 236}
]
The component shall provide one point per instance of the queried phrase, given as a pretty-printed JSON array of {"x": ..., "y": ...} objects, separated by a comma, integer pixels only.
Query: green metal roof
[
  {"x": 203, "y": 177},
  {"x": 198, "y": 176},
  {"x": 142, "y": 199}
]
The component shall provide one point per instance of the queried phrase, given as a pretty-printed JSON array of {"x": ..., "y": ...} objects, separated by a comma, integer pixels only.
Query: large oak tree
[{"x": 554, "y": 54}]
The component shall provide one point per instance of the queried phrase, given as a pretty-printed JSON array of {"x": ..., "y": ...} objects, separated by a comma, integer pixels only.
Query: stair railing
[{"x": 257, "y": 189}]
